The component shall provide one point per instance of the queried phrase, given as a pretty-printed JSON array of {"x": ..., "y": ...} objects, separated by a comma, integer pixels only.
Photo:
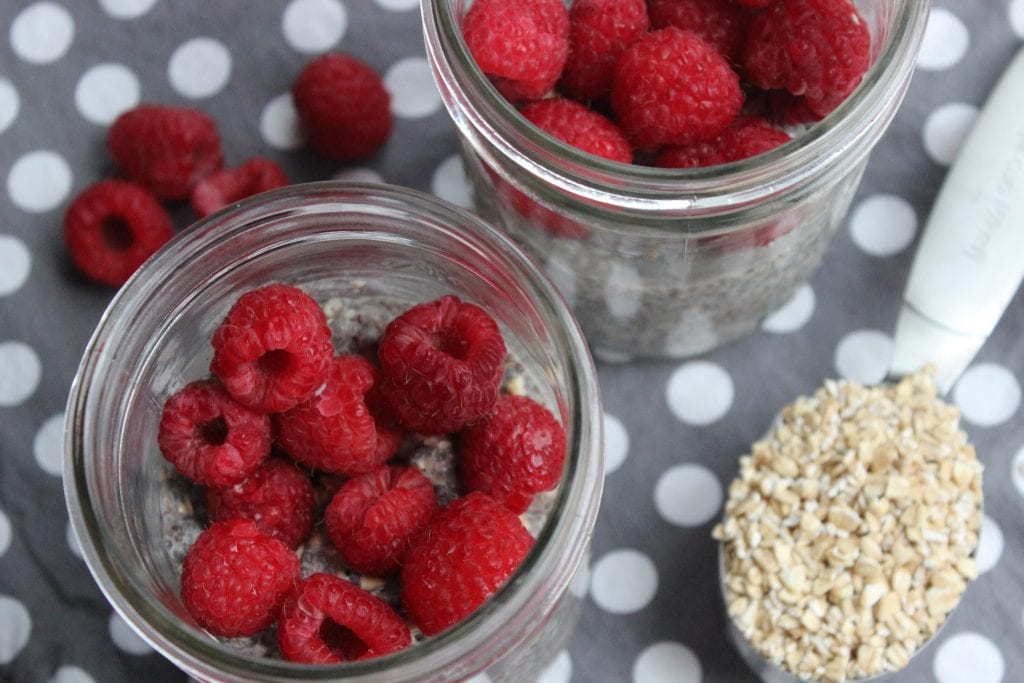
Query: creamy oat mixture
[{"x": 849, "y": 534}]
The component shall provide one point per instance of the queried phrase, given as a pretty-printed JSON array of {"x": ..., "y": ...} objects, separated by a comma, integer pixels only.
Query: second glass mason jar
[
  {"x": 671, "y": 262},
  {"x": 358, "y": 245}
]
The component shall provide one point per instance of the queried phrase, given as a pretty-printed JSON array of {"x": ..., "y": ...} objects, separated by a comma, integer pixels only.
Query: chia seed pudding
[{"x": 357, "y": 321}]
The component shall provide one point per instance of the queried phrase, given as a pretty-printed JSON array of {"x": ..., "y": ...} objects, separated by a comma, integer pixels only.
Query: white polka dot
[
  {"x": 1017, "y": 473},
  {"x": 562, "y": 275},
  {"x": 106, "y": 91},
  {"x": 988, "y": 394},
  {"x": 398, "y": 5},
  {"x": 279, "y": 124},
  {"x": 694, "y": 333},
  {"x": 945, "y": 41},
  {"x": 17, "y": 627},
  {"x": 480, "y": 678},
  {"x": 48, "y": 445},
  {"x": 863, "y": 356},
  {"x": 126, "y": 639},
  {"x": 71, "y": 674},
  {"x": 10, "y": 103},
  {"x": 126, "y": 9},
  {"x": 359, "y": 174},
  {"x": 449, "y": 182},
  {"x": 558, "y": 671},
  {"x": 667, "y": 662},
  {"x": 199, "y": 68},
  {"x": 883, "y": 225},
  {"x": 413, "y": 93},
  {"x": 1016, "y": 13},
  {"x": 314, "y": 25},
  {"x": 623, "y": 581},
  {"x": 699, "y": 392},
  {"x": 968, "y": 658},
  {"x": 688, "y": 495},
  {"x": 5, "y": 533},
  {"x": 42, "y": 33},
  {"x": 616, "y": 443},
  {"x": 623, "y": 291},
  {"x": 72, "y": 540},
  {"x": 793, "y": 314},
  {"x": 39, "y": 181},
  {"x": 990, "y": 545},
  {"x": 15, "y": 264},
  {"x": 19, "y": 372},
  {"x": 945, "y": 129}
]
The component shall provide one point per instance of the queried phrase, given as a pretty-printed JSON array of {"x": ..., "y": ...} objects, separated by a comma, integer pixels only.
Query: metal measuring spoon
[{"x": 968, "y": 266}]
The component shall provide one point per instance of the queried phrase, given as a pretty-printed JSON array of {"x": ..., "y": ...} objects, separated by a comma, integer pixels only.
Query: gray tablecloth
[{"x": 675, "y": 429}]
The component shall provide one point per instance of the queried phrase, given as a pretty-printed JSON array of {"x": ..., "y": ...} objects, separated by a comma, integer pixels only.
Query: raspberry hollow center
[
  {"x": 274, "y": 363},
  {"x": 342, "y": 641},
  {"x": 117, "y": 233},
  {"x": 214, "y": 432}
]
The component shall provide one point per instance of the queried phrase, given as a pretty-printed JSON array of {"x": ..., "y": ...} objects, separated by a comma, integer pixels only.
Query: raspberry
[
  {"x": 520, "y": 44},
  {"x": 230, "y": 185},
  {"x": 672, "y": 87},
  {"x": 599, "y": 30},
  {"x": 273, "y": 348},
  {"x": 460, "y": 559},
  {"x": 576, "y": 125},
  {"x": 235, "y": 577},
  {"x": 372, "y": 518},
  {"x": 112, "y": 227},
  {"x": 333, "y": 430},
  {"x": 327, "y": 620},
  {"x": 442, "y": 364},
  {"x": 746, "y": 137},
  {"x": 722, "y": 23},
  {"x": 754, "y": 4},
  {"x": 343, "y": 106},
  {"x": 816, "y": 48},
  {"x": 277, "y": 498},
  {"x": 209, "y": 437},
  {"x": 515, "y": 452},
  {"x": 165, "y": 149}
]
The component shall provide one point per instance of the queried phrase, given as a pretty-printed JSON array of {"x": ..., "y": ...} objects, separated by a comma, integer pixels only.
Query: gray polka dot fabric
[{"x": 674, "y": 429}]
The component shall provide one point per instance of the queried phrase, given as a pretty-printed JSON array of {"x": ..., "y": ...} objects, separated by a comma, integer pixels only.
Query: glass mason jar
[
  {"x": 671, "y": 262},
  {"x": 360, "y": 243}
]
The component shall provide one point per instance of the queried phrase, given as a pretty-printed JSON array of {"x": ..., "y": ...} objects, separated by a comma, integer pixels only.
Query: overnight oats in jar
[
  {"x": 686, "y": 224},
  {"x": 281, "y": 445}
]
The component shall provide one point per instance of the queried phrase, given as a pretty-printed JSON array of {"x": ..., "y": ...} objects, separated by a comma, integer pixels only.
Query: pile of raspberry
[
  {"x": 670, "y": 83},
  {"x": 286, "y": 433},
  {"x": 169, "y": 155}
]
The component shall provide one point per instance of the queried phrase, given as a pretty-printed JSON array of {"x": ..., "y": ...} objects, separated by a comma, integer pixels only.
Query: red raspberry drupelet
[
  {"x": 583, "y": 128},
  {"x": 327, "y": 620},
  {"x": 599, "y": 30},
  {"x": 746, "y": 137},
  {"x": 230, "y": 185},
  {"x": 273, "y": 348},
  {"x": 210, "y": 438},
  {"x": 722, "y": 23}
]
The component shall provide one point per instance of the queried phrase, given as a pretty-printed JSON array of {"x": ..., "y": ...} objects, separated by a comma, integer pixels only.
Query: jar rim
[
  {"x": 498, "y": 132},
  {"x": 548, "y": 564}
]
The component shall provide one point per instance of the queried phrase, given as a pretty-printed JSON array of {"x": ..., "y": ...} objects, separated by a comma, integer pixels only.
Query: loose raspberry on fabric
[
  {"x": 746, "y": 137},
  {"x": 441, "y": 364},
  {"x": 517, "y": 451},
  {"x": 333, "y": 430},
  {"x": 344, "y": 107},
  {"x": 816, "y": 48},
  {"x": 722, "y": 23},
  {"x": 672, "y": 87},
  {"x": 372, "y": 518},
  {"x": 273, "y": 348},
  {"x": 521, "y": 45},
  {"x": 230, "y": 185},
  {"x": 235, "y": 578},
  {"x": 327, "y": 620},
  {"x": 209, "y": 437},
  {"x": 460, "y": 559},
  {"x": 165, "y": 149},
  {"x": 112, "y": 227},
  {"x": 583, "y": 128},
  {"x": 599, "y": 30},
  {"x": 277, "y": 498}
]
